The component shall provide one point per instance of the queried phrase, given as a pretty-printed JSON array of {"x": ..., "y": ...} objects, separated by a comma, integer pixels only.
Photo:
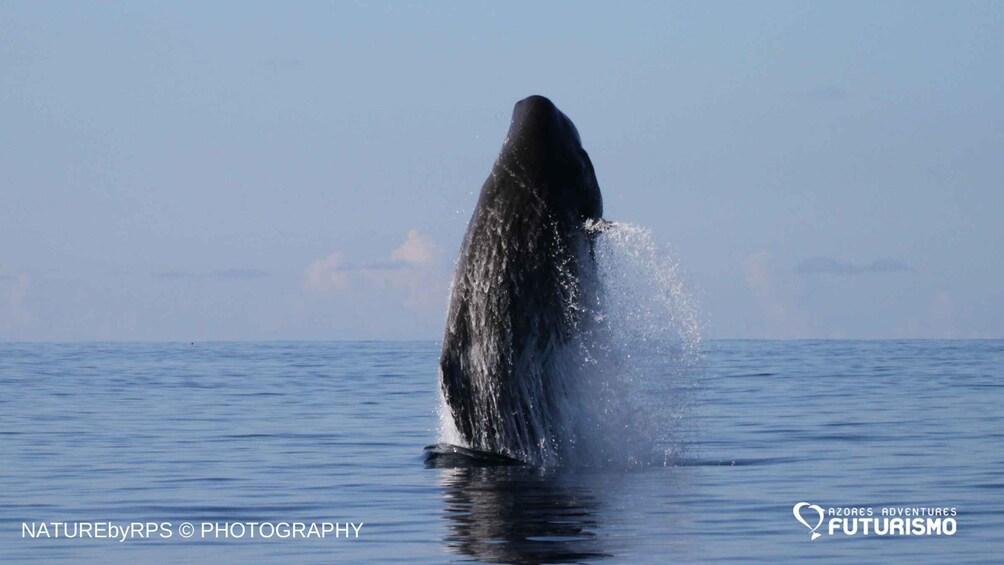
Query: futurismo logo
[
  {"x": 889, "y": 521},
  {"x": 797, "y": 511}
]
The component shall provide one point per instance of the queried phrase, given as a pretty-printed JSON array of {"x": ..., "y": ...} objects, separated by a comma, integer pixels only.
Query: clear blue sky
[{"x": 241, "y": 170}]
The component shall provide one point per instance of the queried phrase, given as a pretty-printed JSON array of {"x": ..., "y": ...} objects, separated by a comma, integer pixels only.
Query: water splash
[
  {"x": 634, "y": 318},
  {"x": 653, "y": 332}
]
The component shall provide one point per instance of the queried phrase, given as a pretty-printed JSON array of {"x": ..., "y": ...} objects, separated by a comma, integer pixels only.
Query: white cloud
[
  {"x": 422, "y": 290},
  {"x": 401, "y": 292},
  {"x": 781, "y": 320},
  {"x": 424, "y": 284},
  {"x": 326, "y": 274},
  {"x": 417, "y": 249},
  {"x": 412, "y": 278},
  {"x": 12, "y": 311},
  {"x": 758, "y": 272}
]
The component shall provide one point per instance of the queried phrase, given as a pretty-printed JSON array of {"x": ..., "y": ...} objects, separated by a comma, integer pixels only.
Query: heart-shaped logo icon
[{"x": 797, "y": 511}]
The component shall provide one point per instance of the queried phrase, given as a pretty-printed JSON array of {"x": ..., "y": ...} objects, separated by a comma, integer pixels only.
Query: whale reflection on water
[{"x": 519, "y": 514}]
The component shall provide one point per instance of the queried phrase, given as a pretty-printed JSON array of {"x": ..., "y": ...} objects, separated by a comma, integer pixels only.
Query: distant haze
[{"x": 192, "y": 171}]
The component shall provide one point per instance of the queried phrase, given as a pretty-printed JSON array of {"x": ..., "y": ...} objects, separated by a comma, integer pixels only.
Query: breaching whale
[{"x": 519, "y": 288}]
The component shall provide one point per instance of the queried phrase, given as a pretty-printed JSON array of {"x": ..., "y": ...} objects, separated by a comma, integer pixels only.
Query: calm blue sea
[{"x": 225, "y": 433}]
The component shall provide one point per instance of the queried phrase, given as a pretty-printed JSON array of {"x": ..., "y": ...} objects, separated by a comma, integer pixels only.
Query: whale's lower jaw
[{"x": 447, "y": 456}]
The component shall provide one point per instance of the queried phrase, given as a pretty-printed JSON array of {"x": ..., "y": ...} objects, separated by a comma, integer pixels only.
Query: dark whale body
[{"x": 518, "y": 288}]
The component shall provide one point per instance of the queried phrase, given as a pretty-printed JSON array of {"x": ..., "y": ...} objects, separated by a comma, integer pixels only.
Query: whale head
[{"x": 544, "y": 152}]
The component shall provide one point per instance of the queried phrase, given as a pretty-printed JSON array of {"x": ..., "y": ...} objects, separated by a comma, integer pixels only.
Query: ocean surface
[{"x": 316, "y": 433}]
